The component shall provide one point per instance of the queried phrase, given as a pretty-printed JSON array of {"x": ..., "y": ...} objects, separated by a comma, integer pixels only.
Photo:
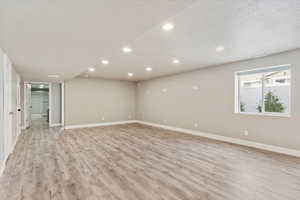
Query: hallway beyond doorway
[
  {"x": 44, "y": 100},
  {"x": 39, "y": 102}
]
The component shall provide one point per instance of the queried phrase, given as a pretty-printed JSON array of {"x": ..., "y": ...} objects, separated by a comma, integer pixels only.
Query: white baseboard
[
  {"x": 100, "y": 124},
  {"x": 267, "y": 147},
  {"x": 54, "y": 125}
]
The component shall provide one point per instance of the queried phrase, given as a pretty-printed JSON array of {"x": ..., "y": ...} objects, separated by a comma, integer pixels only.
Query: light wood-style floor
[{"x": 136, "y": 162}]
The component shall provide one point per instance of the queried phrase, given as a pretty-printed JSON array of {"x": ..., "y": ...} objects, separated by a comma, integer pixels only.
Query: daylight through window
[{"x": 264, "y": 91}]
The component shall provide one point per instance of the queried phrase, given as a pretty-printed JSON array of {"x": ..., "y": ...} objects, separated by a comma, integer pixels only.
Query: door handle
[{"x": 11, "y": 113}]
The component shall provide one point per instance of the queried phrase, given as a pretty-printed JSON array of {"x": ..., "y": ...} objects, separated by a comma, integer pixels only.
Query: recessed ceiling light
[
  {"x": 195, "y": 87},
  {"x": 91, "y": 69},
  {"x": 130, "y": 74},
  {"x": 53, "y": 76},
  {"x": 148, "y": 69},
  {"x": 168, "y": 27},
  {"x": 176, "y": 61},
  {"x": 127, "y": 50},
  {"x": 105, "y": 62},
  {"x": 220, "y": 48}
]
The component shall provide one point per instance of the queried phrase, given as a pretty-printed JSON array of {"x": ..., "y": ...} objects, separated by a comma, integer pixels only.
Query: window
[{"x": 264, "y": 91}]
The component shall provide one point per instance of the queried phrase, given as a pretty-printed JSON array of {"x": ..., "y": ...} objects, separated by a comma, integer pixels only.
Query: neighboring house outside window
[{"x": 264, "y": 91}]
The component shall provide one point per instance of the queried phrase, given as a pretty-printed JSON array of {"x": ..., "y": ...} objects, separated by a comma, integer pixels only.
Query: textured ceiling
[{"x": 67, "y": 37}]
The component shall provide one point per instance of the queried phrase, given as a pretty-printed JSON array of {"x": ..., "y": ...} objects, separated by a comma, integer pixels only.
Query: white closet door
[
  {"x": 8, "y": 103},
  {"x": 37, "y": 104},
  {"x": 8, "y": 112},
  {"x": 27, "y": 103},
  {"x": 2, "y": 128},
  {"x": 19, "y": 117}
]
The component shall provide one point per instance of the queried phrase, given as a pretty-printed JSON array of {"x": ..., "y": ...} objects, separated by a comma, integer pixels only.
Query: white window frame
[{"x": 263, "y": 113}]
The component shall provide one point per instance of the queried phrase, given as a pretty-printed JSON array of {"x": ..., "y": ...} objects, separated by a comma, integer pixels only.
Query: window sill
[{"x": 286, "y": 115}]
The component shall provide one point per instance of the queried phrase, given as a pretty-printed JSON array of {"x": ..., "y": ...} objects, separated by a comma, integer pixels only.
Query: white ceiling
[{"x": 66, "y": 37}]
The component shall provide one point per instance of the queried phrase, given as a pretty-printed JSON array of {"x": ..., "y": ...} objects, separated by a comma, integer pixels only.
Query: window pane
[
  {"x": 277, "y": 91},
  {"x": 250, "y": 92}
]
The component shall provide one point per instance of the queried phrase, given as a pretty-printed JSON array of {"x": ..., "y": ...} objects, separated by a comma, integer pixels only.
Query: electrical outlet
[
  {"x": 195, "y": 125},
  {"x": 246, "y": 132},
  {"x": 103, "y": 118}
]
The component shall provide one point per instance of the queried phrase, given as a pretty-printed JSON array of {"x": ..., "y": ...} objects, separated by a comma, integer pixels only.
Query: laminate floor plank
[{"x": 138, "y": 162}]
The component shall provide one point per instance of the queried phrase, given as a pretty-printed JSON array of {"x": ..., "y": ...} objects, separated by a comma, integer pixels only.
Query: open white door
[
  {"x": 63, "y": 104},
  {"x": 9, "y": 108},
  {"x": 56, "y": 104},
  {"x": 2, "y": 128},
  {"x": 27, "y": 104},
  {"x": 19, "y": 117},
  {"x": 8, "y": 112}
]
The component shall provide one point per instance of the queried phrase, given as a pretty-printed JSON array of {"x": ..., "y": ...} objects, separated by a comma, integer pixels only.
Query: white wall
[
  {"x": 211, "y": 107},
  {"x": 95, "y": 100}
]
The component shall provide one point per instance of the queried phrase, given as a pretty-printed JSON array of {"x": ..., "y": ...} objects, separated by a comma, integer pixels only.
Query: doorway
[
  {"x": 10, "y": 112},
  {"x": 43, "y": 104},
  {"x": 39, "y": 108}
]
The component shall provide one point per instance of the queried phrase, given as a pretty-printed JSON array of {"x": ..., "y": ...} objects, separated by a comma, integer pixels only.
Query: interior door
[
  {"x": 27, "y": 105},
  {"x": 19, "y": 117},
  {"x": 8, "y": 112},
  {"x": 2, "y": 128},
  {"x": 37, "y": 100}
]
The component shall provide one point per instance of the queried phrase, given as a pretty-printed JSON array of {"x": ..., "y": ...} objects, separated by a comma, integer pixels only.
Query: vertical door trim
[
  {"x": 50, "y": 104},
  {"x": 63, "y": 104}
]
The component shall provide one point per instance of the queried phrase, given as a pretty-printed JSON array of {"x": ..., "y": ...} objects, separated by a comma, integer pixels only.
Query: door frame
[
  {"x": 19, "y": 106},
  {"x": 50, "y": 101},
  {"x": 25, "y": 88},
  {"x": 25, "y": 100},
  {"x": 2, "y": 113},
  {"x": 63, "y": 104},
  {"x": 7, "y": 71}
]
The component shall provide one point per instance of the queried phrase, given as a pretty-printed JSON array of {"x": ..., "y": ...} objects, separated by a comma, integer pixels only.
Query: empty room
[{"x": 150, "y": 100}]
